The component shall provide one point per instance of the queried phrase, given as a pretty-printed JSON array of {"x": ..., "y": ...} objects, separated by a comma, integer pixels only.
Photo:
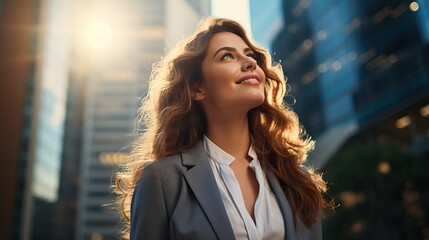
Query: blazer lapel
[
  {"x": 284, "y": 206},
  {"x": 202, "y": 182}
]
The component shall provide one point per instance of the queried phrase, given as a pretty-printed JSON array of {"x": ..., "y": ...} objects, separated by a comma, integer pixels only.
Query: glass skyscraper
[
  {"x": 114, "y": 81},
  {"x": 43, "y": 47},
  {"x": 359, "y": 71},
  {"x": 266, "y": 21},
  {"x": 352, "y": 64},
  {"x": 52, "y": 73},
  {"x": 72, "y": 81}
]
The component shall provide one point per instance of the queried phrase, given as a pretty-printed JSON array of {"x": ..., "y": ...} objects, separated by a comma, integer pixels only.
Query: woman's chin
[
  {"x": 255, "y": 101},
  {"x": 258, "y": 98}
]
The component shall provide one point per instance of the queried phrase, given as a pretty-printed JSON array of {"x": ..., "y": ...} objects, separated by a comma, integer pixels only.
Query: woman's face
[{"x": 232, "y": 80}]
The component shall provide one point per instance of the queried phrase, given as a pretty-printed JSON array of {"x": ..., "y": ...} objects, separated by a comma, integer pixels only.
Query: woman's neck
[{"x": 230, "y": 134}]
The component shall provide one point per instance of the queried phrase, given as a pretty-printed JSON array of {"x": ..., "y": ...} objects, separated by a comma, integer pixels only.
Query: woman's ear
[{"x": 198, "y": 93}]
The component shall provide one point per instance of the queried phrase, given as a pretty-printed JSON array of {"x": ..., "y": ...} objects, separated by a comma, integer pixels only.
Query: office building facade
[
  {"x": 115, "y": 81},
  {"x": 352, "y": 65},
  {"x": 37, "y": 60},
  {"x": 359, "y": 72},
  {"x": 266, "y": 21},
  {"x": 114, "y": 78}
]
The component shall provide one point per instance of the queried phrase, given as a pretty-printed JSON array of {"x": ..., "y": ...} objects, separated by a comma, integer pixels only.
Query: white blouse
[{"x": 268, "y": 216}]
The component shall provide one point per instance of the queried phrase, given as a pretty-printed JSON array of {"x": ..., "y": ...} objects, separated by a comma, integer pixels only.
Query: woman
[{"x": 221, "y": 156}]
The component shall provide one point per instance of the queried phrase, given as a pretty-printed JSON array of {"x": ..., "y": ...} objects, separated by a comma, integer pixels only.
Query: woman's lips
[{"x": 252, "y": 79}]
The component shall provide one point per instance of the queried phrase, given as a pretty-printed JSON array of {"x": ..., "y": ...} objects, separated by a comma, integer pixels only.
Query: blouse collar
[{"x": 220, "y": 156}]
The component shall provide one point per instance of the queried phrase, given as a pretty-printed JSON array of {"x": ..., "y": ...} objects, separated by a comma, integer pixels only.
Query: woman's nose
[{"x": 249, "y": 63}]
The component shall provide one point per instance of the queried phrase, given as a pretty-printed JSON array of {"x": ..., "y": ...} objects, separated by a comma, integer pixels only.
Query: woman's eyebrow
[{"x": 230, "y": 49}]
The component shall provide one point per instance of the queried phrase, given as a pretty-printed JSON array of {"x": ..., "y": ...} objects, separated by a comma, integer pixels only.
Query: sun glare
[
  {"x": 237, "y": 10},
  {"x": 98, "y": 34},
  {"x": 104, "y": 33}
]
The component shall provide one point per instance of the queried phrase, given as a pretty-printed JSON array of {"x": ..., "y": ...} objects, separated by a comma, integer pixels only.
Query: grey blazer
[{"x": 178, "y": 198}]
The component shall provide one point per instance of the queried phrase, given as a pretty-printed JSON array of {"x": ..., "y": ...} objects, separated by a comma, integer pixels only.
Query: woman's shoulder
[
  {"x": 165, "y": 165},
  {"x": 165, "y": 161},
  {"x": 173, "y": 167},
  {"x": 164, "y": 175}
]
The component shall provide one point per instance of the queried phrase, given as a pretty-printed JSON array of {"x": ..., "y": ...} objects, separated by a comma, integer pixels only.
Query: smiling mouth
[
  {"x": 248, "y": 81},
  {"x": 251, "y": 79}
]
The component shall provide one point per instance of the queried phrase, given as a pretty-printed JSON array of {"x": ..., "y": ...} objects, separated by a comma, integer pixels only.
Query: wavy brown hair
[{"x": 171, "y": 122}]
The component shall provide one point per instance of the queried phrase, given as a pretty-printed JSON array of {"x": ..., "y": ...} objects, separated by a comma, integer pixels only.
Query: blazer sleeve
[
  {"x": 316, "y": 231},
  {"x": 149, "y": 219}
]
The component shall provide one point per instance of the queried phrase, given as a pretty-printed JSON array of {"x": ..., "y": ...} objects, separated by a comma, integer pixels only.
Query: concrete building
[
  {"x": 114, "y": 54},
  {"x": 15, "y": 71},
  {"x": 73, "y": 74},
  {"x": 115, "y": 74},
  {"x": 35, "y": 54}
]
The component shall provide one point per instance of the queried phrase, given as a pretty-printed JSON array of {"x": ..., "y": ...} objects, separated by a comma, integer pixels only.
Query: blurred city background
[{"x": 72, "y": 74}]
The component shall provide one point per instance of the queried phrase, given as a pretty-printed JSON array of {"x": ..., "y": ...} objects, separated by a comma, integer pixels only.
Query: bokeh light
[{"x": 414, "y": 6}]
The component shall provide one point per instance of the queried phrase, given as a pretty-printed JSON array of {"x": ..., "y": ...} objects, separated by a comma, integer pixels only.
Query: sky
[{"x": 237, "y": 10}]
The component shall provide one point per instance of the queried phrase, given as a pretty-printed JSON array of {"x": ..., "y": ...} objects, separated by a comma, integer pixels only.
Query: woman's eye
[
  {"x": 252, "y": 55},
  {"x": 226, "y": 56}
]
